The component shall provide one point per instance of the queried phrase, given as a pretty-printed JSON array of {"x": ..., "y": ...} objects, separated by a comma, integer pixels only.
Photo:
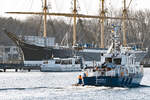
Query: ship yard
[{"x": 75, "y": 50}]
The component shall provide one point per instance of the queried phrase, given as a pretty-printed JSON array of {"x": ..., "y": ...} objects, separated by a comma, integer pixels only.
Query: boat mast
[
  {"x": 45, "y": 19},
  {"x": 45, "y": 22},
  {"x": 124, "y": 24},
  {"x": 74, "y": 23},
  {"x": 102, "y": 25}
]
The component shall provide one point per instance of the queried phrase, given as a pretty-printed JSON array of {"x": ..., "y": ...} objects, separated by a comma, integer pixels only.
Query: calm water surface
[{"x": 58, "y": 86}]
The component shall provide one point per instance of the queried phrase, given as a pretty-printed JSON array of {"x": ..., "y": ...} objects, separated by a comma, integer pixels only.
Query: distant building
[{"x": 9, "y": 54}]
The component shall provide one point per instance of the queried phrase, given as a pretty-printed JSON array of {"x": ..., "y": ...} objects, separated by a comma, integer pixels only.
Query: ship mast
[
  {"x": 45, "y": 19},
  {"x": 45, "y": 22},
  {"x": 102, "y": 17},
  {"x": 102, "y": 25},
  {"x": 124, "y": 24},
  {"x": 74, "y": 23}
]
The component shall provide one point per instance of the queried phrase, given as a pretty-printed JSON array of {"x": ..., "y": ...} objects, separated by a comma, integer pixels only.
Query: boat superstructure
[{"x": 120, "y": 67}]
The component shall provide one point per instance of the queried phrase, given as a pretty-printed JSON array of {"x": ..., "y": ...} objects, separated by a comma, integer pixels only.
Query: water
[{"x": 58, "y": 86}]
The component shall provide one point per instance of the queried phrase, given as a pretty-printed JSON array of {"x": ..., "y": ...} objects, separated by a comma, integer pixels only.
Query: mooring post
[
  {"x": 16, "y": 70},
  {"x": 29, "y": 70},
  {"x": 4, "y": 70}
]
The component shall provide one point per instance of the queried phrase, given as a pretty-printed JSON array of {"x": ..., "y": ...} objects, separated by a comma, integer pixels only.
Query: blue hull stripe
[{"x": 112, "y": 81}]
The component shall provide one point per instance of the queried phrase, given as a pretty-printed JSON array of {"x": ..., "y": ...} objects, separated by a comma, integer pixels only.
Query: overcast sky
[{"x": 86, "y": 6}]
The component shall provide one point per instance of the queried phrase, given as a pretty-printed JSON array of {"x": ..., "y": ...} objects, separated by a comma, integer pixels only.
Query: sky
[{"x": 84, "y": 6}]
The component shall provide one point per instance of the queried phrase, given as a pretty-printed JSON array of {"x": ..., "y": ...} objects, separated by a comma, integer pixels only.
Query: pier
[
  {"x": 22, "y": 66},
  {"x": 17, "y": 66}
]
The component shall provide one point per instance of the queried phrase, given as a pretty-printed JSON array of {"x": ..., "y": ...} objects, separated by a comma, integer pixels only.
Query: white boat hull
[{"x": 60, "y": 68}]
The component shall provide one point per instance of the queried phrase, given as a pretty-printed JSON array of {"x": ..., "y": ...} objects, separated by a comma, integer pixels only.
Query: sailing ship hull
[
  {"x": 32, "y": 52},
  {"x": 132, "y": 81},
  {"x": 35, "y": 53}
]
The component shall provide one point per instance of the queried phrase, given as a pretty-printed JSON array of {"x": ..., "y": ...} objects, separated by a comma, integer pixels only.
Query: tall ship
[{"x": 34, "y": 53}]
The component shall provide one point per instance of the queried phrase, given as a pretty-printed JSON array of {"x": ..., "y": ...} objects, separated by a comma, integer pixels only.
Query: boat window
[
  {"x": 108, "y": 60},
  {"x": 77, "y": 61},
  {"x": 65, "y": 62},
  {"x": 45, "y": 62},
  {"x": 70, "y": 61},
  {"x": 57, "y": 62},
  {"x": 117, "y": 61},
  {"x": 7, "y": 49}
]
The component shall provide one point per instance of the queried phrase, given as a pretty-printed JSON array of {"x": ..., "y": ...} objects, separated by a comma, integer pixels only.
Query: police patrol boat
[
  {"x": 120, "y": 67},
  {"x": 63, "y": 64}
]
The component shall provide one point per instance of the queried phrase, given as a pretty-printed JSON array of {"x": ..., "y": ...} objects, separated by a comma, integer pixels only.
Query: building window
[{"x": 7, "y": 49}]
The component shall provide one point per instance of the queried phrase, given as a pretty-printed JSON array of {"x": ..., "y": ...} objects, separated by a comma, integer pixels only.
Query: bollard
[
  {"x": 29, "y": 70},
  {"x": 16, "y": 70},
  {"x": 4, "y": 70}
]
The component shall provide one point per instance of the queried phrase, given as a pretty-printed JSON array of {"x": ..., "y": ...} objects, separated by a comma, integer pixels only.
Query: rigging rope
[
  {"x": 68, "y": 31},
  {"x": 40, "y": 24},
  {"x": 42, "y": 3},
  {"x": 130, "y": 23},
  {"x": 129, "y": 4}
]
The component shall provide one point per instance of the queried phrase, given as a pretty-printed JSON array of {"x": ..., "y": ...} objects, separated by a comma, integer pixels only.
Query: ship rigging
[
  {"x": 75, "y": 15},
  {"x": 38, "y": 53}
]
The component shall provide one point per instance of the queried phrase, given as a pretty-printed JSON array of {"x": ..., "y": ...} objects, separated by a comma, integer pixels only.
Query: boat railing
[{"x": 112, "y": 72}]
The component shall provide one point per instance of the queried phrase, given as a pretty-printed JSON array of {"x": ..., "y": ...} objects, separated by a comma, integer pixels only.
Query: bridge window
[
  {"x": 117, "y": 61},
  {"x": 57, "y": 62},
  {"x": 7, "y": 49},
  {"x": 65, "y": 62},
  {"x": 108, "y": 60},
  {"x": 45, "y": 62}
]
